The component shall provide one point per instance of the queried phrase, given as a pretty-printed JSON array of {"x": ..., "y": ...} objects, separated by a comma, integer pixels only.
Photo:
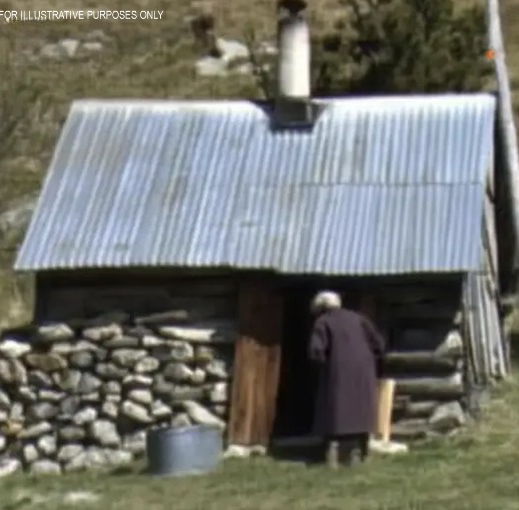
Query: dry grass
[{"x": 476, "y": 471}]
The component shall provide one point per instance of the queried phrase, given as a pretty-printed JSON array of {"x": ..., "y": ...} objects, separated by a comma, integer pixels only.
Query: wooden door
[{"x": 257, "y": 363}]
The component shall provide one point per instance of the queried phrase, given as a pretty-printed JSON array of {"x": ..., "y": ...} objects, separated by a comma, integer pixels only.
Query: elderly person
[{"x": 346, "y": 349}]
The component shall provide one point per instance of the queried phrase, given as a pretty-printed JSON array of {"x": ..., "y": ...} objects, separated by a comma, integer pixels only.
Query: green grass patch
[{"x": 475, "y": 470}]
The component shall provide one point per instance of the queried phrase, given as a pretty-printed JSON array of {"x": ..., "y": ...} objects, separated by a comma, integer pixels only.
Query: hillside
[{"x": 66, "y": 60}]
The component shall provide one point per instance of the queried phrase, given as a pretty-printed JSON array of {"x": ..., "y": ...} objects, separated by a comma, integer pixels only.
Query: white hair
[{"x": 326, "y": 300}]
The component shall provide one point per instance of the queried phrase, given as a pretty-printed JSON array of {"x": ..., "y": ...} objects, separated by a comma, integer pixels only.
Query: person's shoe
[{"x": 332, "y": 455}]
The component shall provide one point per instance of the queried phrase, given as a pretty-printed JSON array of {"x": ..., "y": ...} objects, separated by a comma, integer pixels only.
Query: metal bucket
[{"x": 183, "y": 451}]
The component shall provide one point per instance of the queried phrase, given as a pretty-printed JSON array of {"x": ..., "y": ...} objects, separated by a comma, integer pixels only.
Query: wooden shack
[{"x": 199, "y": 214}]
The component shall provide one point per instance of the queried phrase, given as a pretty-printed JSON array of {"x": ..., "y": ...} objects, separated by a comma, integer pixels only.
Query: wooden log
[
  {"x": 423, "y": 409},
  {"x": 190, "y": 310},
  {"x": 405, "y": 430},
  {"x": 400, "y": 403},
  {"x": 428, "y": 311},
  {"x": 422, "y": 361},
  {"x": 432, "y": 387}
]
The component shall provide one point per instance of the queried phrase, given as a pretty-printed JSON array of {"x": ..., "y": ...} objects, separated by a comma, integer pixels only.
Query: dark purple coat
[{"x": 347, "y": 349}]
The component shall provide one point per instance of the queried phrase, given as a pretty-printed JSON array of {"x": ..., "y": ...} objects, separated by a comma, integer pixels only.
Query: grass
[{"x": 475, "y": 470}]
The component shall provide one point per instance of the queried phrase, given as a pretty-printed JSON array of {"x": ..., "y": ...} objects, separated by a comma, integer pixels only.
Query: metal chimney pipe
[{"x": 294, "y": 51}]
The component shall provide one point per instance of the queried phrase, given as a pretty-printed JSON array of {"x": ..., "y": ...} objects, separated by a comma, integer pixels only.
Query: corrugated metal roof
[{"x": 380, "y": 186}]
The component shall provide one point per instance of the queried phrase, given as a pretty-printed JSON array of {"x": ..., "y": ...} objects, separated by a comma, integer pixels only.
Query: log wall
[{"x": 424, "y": 324}]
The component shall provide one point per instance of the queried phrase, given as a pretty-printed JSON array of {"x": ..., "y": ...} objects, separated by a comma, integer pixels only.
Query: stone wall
[{"x": 82, "y": 394}]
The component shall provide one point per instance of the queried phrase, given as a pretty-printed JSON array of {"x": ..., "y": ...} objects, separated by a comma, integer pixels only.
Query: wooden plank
[
  {"x": 257, "y": 364},
  {"x": 242, "y": 392},
  {"x": 431, "y": 387},
  {"x": 421, "y": 361}
]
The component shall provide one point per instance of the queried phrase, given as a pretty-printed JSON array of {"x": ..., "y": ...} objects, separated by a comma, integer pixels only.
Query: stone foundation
[{"x": 82, "y": 395}]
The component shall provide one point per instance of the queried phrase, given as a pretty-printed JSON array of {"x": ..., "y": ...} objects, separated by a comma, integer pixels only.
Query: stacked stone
[{"x": 83, "y": 397}]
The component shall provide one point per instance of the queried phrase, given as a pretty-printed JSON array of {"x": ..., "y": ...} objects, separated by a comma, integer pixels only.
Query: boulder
[
  {"x": 57, "y": 332},
  {"x": 180, "y": 420},
  {"x": 13, "y": 349},
  {"x": 199, "y": 414},
  {"x": 16, "y": 412},
  {"x": 12, "y": 372},
  {"x": 98, "y": 458},
  {"x": 181, "y": 351},
  {"x": 232, "y": 50},
  {"x": 5, "y": 401},
  {"x": 110, "y": 371},
  {"x": 27, "y": 394},
  {"x": 447, "y": 417},
  {"x": 88, "y": 383},
  {"x": 50, "y": 395},
  {"x": 112, "y": 388},
  {"x": 218, "y": 369},
  {"x": 135, "y": 442},
  {"x": 69, "y": 406},
  {"x": 30, "y": 454},
  {"x": 122, "y": 342},
  {"x": 46, "y": 362},
  {"x": 198, "y": 377},
  {"x": 136, "y": 412},
  {"x": 161, "y": 411},
  {"x": 210, "y": 67},
  {"x": 9, "y": 466},
  {"x": 36, "y": 430},
  {"x": 162, "y": 387},
  {"x": 452, "y": 344},
  {"x": 104, "y": 432},
  {"x": 141, "y": 396},
  {"x": 69, "y": 46},
  {"x": 82, "y": 359},
  {"x": 152, "y": 341},
  {"x": 127, "y": 358},
  {"x": 218, "y": 393},
  {"x": 177, "y": 372},
  {"x": 39, "y": 379},
  {"x": 42, "y": 411},
  {"x": 181, "y": 393},
  {"x": 71, "y": 434},
  {"x": 70, "y": 451},
  {"x": 102, "y": 333},
  {"x": 68, "y": 380},
  {"x": 86, "y": 415},
  {"x": 204, "y": 354},
  {"x": 91, "y": 398},
  {"x": 47, "y": 445},
  {"x": 110, "y": 409},
  {"x": 137, "y": 381},
  {"x": 45, "y": 467},
  {"x": 189, "y": 334},
  {"x": 147, "y": 365}
]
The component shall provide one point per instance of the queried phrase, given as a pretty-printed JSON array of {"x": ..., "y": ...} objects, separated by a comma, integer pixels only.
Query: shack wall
[{"x": 111, "y": 354}]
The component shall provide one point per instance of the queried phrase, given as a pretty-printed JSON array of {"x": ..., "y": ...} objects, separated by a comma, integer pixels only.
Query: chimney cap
[{"x": 293, "y": 6}]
